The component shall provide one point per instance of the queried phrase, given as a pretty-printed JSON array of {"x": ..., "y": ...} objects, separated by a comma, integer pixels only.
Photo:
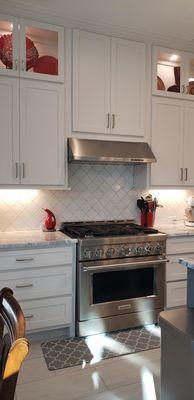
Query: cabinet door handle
[
  {"x": 23, "y": 171},
  {"x": 28, "y": 316},
  {"x": 113, "y": 121},
  {"x": 23, "y": 65},
  {"x": 183, "y": 88},
  {"x": 17, "y": 170},
  {"x": 181, "y": 177},
  {"x": 21, "y": 286},
  {"x": 24, "y": 259},
  {"x": 16, "y": 65},
  {"x": 186, "y": 174},
  {"x": 108, "y": 121}
]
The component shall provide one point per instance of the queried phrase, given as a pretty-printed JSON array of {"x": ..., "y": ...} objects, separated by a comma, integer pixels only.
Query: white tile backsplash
[{"x": 98, "y": 192}]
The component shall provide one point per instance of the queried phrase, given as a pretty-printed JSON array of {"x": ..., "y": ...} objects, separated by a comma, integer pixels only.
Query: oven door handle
[{"x": 123, "y": 266}]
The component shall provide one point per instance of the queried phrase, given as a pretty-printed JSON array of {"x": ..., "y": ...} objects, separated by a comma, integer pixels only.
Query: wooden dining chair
[{"x": 13, "y": 345}]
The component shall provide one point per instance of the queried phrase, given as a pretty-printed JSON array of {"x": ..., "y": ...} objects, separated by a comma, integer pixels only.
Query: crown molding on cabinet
[{"x": 43, "y": 14}]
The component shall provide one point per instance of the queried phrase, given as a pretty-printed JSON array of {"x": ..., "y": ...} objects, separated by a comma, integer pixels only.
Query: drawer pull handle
[
  {"x": 29, "y": 316},
  {"x": 24, "y": 259},
  {"x": 28, "y": 285}
]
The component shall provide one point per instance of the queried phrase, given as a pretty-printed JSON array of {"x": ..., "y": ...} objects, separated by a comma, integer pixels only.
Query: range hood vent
[{"x": 109, "y": 152}]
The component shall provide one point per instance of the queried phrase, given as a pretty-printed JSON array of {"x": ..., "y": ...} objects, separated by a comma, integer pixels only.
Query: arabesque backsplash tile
[{"x": 98, "y": 192}]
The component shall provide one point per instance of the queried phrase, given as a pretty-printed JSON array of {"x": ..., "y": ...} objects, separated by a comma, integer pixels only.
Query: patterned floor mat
[{"x": 68, "y": 352}]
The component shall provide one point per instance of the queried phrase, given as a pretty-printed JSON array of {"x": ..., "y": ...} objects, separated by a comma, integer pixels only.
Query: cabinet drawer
[
  {"x": 26, "y": 286},
  {"x": 35, "y": 258},
  {"x": 180, "y": 245},
  {"x": 175, "y": 271},
  {"x": 47, "y": 313},
  {"x": 176, "y": 294}
]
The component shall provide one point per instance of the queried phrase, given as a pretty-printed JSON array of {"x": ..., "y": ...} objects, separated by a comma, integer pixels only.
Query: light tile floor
[{"x": 130, "y": 377}]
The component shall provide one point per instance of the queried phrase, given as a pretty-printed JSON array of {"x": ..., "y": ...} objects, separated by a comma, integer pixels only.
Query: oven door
[{"x": 113, "y": 287}]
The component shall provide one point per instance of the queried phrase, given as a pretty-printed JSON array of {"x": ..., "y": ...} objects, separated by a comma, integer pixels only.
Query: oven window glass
[{"x": 121, "y": 285}]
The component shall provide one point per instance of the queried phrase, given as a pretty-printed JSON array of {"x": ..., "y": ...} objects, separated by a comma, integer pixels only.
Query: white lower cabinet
[
  {"x": 43, "y": 282},
  {"x": 176, "y": 274}
]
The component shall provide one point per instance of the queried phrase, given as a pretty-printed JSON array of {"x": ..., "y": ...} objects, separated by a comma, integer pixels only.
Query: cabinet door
[
  {"x": 91, "y": 82},
  {"x": 42, "y": 133},
  {"x": 189, "y": 144},
  {"x": 9, "y": 46},
  {"x": 9, "y": 132},
  {"x": 168, "y": 72},
  {"x": 41, "y": 51},
  {"x": 167, "y": 141},
  {"x": 128, "y": 87},
  {"x": 189, "y": 75}
]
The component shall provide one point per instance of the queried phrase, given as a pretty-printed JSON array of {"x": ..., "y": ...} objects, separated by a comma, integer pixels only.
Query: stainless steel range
[{"x": 120, "y": 275}]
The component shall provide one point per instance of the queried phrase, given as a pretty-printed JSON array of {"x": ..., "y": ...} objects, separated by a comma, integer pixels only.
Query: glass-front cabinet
[
  {"x": 173, "y": 73},
  {"x": 41, "y": 50},
  {"x": 31, "y": 49},
  {"x": 9, "y": 49}
]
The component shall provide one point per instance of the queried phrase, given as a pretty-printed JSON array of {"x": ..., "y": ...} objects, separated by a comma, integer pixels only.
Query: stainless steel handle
[
  {"x": 123, "y": 266},
  {"x": 28, "y": 285},
  {"x": 23, "y": 65},
  {"x": 183, "y": 88},
  {"x": 113, "y": 121},
  {"x": 186, "y": 174},
  {"x": 16, "y": 65},
  {"x": 108, "y": 121},
  {"x": 23, "y": 171},
  {"x": 28, "y": 316},
  {"x": 24, "y": 259},
  {"x": 17, "y": 170},
  {"x": 124, "y": 307},
  {"x": 181, "y": 177}
]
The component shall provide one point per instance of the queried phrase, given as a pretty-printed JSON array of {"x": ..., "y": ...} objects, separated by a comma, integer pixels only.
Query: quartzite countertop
[
  {"x": 176, "y": 230},
  {"x": 31, "y": 239}
]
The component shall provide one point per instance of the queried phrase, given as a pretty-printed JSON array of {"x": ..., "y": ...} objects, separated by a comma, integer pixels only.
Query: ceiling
[{"x": 173, "y": 18}]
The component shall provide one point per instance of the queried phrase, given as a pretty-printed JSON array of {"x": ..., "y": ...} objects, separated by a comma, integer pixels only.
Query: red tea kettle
[{"x": 50, "y": 221}]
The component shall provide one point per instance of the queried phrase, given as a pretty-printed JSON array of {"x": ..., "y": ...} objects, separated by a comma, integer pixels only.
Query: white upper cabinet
[
  {"x": 173, "y": 73},
  {"x": 167, "y": 141},
  {"x": 31, "y": 49},
  {"x": 9, "y": 131},
  {"x": 172, "y": 142},
  {"x": 188, "y": 164},
  {"x": 41, "y": 51},
  {"x": 91, "y": 82},
  {"x": 9, "y": 46},
  {"x": 109, "y": 81},
  {"x": 128, "y": 80},
  {"x": 41, "y": 142}
]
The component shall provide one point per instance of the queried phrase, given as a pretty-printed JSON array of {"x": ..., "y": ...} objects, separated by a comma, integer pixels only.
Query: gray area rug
[{"x": 68, "y": 352}]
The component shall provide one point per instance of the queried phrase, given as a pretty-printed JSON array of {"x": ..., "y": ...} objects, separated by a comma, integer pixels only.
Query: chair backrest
[{"x": 13, "y": 345}]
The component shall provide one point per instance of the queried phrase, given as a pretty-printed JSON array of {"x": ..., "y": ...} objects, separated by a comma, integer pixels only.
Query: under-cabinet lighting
[
  {"x": 11, "y": 26},
  {"x": 12, "y": 196},
  {"x": 174, "y": 57},
  {"x": 169, "y": 195}
]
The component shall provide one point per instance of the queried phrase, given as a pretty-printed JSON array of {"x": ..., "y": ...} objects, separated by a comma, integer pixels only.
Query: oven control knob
[
  {"x": 139, "y": 250},
  {"x": 87, "y": 254},
  {"x": 110, "y": 252},
  {"x": 98, "y": 253},
  {"x": 148, "y": 249},
  {"x": 158, "y": 248}
]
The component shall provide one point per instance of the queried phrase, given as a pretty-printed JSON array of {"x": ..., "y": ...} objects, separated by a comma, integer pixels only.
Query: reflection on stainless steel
[
  {"x": 120, "y": 284},
  {"x": 104, "y": 151}
]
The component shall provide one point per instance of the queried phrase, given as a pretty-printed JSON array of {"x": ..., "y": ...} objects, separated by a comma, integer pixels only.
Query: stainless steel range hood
[{"x": 104, "y": 151}]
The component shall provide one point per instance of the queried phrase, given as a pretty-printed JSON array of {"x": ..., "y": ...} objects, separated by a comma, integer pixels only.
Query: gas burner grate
[{"x": 104, "y": 229}]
